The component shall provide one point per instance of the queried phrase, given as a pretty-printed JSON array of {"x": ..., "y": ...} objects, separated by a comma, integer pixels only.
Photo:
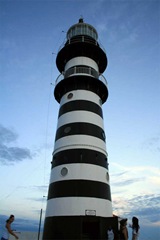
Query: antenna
[{"x": 81, "y": 19}]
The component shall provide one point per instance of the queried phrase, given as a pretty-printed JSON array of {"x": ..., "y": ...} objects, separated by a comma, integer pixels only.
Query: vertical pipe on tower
[{"x": 79, "y": 198}]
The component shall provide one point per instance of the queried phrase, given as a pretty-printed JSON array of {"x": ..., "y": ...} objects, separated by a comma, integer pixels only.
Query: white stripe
[
  {"x": 80, "y": 171},
  {"x": 80, "y": 116},
  {"x": 81, "y": 95},
  {"x": 80, "y": 141},
  {"x": 85, "y": 61},
  {"x": 76, "y": 206}
]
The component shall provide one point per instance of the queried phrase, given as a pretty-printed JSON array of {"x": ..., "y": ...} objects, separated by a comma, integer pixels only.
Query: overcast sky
[{"x": 31, "y": 33}]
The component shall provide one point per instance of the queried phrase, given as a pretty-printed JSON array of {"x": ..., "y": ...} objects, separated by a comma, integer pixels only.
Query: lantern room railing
[
  {"x": 80, "y": 70},
  {"x": 81, "y": 38}
]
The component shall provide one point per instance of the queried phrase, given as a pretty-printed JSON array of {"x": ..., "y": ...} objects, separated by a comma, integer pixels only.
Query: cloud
[
  {"x": 41, "y": 188},
  {"x": 132, "y": 170},
  {"x": 123, "y": 178},
  {"x": 119, "y": 174},
  {"x": 135, "y": 192},
  {"x": 7, "y": 135},
  {"x": 146, "y": 207},
  {"x": 127, "y": 182},
  {"x": 146, "y": 200},
  {"x": 152, "y": 144},
  {"x": 155, "y": 180},
  {"x": 10, "y": 155}
]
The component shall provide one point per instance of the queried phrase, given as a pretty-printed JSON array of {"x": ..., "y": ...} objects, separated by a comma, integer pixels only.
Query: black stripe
[
  {"x": 78, "y": 227},
  {"x": 79, "y": 128},
  {"x": 79, "y": 188},
  {"x": 80, "y": 48},
  {"x": 81, "y": 82},
  {"x": 80, "y": 156},
  {"x": 81, "y": 105}
]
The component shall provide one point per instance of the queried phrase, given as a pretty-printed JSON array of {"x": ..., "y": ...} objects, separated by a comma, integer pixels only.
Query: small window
[
  {"x": 70, "y": 95},
  {"x": 64, "y": 171},
  {"x": 103, "y": 135},
  {"x": 100, "y": 101},
  {"x": 67, "y": 129},
  {"x": 107, "y": 176}
]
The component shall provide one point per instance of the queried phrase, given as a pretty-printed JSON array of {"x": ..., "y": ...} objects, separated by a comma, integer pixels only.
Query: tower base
[{"x": 78, "y": 227}]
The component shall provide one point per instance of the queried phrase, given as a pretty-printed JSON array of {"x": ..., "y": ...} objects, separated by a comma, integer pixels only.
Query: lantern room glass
[{"x": 82, "y": 29}]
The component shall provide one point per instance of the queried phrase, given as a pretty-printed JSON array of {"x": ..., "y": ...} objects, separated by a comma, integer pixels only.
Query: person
[
  {"x": 7, "y": 229},
  {"x": 135, "y": 228},
  {"x": 123, "y": 229},
  {"x": 110, "y": 234}
]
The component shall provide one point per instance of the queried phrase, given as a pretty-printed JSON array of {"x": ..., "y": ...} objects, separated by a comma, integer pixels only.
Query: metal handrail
[
  {"x": 81, "y": 38},
  {"x": 61, "y": 77},
  {"x": 103, "y": 79},
  {"x": 82, "y": 70}
]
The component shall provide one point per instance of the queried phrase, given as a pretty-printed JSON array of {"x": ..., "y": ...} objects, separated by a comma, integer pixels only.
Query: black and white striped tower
[{"x": 79, "y": 199}]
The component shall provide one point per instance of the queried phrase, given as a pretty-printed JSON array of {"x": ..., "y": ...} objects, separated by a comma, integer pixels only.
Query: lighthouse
[{"x": 79, "y": 199}]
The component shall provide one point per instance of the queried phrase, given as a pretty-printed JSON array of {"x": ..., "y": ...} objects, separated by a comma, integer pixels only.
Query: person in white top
[
  {"x": 135, "y": 228},
  {"x": 7, "y": 229},
  {"x": 110, "y": 234}
]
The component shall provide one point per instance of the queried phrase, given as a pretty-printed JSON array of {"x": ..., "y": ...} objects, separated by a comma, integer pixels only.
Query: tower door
[{"x": 90, "y": 230}]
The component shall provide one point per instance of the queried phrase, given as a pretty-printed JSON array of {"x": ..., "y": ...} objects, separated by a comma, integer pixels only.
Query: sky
[{"x": 31, "y": 32}]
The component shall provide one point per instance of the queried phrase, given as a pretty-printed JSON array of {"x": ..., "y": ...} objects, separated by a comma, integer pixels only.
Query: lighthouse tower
[{"x": 79, "y": 199}]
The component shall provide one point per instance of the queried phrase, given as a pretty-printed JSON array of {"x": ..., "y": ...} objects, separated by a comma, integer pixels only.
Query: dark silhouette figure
[
  {"x": 7, "y": 229},
  {"x": 123, "y": 229},
  {"x": 135, "y": 228}
]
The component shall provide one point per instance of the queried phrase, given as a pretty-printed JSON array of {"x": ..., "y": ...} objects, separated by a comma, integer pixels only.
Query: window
[
  {"x": 67, "y": 129},
  {"x": 64, "y": 171},
  {"x": 107, "y": 176},
  {"x": 70, "y": 95},
  {"x": 103, "y": 135}
]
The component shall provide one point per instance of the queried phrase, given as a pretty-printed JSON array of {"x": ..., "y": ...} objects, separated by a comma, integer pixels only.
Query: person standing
[
  {"x": 135, "y": 228},
  {"x": 123, "y": 229},
  {"x": 7, "y": 229},
  {"x": 110, "y": 234}
]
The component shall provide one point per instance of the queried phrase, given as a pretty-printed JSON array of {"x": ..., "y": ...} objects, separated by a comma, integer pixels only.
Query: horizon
[{"x": 25, "y": 226}]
